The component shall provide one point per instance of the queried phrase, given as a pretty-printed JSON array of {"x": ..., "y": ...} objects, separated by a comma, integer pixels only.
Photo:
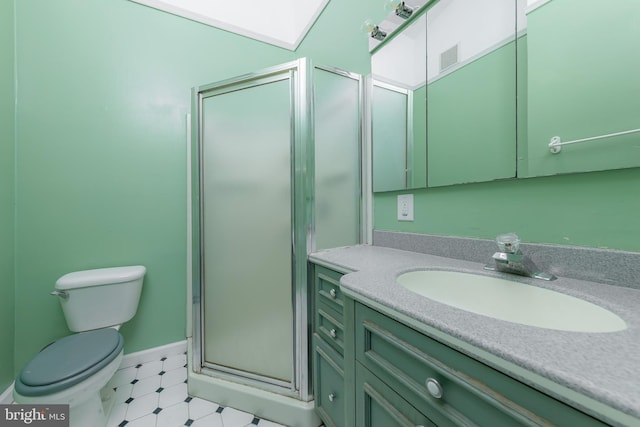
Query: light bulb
[
  {"x": 399, "y": 8},
  {"x": 367, "y": 26},
  {"x": 391, "y": 5},
  {"x": 373, "y": 30}
]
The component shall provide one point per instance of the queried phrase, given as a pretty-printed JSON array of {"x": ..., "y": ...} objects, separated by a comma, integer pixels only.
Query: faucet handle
[
  {"x": 506, "y": 257},
  {"x": 508, "y": 243}
]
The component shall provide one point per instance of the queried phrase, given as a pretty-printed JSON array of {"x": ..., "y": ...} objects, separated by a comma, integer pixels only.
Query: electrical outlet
[{"x": 405, "y": 207}]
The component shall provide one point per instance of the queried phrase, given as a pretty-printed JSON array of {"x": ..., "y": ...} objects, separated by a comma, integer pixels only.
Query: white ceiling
[{"x": 283, "y": 23}]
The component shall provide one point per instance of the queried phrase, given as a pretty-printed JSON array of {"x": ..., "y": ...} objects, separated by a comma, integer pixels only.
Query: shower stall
[{"x": 275, "y": 174}]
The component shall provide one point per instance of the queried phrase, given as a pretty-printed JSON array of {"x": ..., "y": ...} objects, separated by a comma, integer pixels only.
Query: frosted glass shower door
[{"x": 246, "y": 225}]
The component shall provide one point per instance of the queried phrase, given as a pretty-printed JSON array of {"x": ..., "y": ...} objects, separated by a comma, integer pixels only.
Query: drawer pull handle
[
  {"x": 333, "y": 293},
  {"x": 434, "y": 388},
  {"x": 333, "y": 333},
  {"x": 332, "y": 397}
]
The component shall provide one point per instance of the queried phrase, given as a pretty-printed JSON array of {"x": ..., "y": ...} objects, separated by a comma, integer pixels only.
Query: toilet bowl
[{"x": 73, "y": 369}]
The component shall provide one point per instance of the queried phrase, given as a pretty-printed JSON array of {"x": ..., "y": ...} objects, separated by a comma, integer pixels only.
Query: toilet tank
[{"x": 100, "y": 298}]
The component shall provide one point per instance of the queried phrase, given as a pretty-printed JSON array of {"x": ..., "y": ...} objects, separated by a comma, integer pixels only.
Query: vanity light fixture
[
  {"x": 373, "y": 30},
  {"x": 400, "y": 8},
  {"x": 377, "y": 33}
]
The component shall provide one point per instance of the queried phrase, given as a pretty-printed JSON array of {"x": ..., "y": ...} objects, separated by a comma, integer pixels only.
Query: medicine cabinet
[{"x": 496, "y": 89}]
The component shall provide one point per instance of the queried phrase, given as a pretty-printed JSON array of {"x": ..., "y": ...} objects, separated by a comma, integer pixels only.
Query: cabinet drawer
[
  {"x": 329, "y": 389},
  {"x": 471, "y": 393},
  {"x": 327, "y": 289},
  {"x": 329, "y": 327},
  {"x": 379, "y": 406}
]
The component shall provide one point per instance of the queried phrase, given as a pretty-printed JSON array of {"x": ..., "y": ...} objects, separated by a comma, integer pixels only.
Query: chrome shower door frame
[{"x": 302, "y": 170}]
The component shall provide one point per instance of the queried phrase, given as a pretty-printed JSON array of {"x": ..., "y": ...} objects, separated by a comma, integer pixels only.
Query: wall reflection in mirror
[
  {"x": 582, "y": 61},
  {"x": 398, "y": 110},
  {"x": 471, "y": 91}
]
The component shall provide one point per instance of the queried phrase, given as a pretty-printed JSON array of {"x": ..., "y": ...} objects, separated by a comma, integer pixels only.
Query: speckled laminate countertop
[{"x": 596, "y": 372}]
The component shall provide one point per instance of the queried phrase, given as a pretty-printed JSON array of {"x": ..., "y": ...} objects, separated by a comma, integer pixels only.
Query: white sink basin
[{"x": 511, "y": 301}]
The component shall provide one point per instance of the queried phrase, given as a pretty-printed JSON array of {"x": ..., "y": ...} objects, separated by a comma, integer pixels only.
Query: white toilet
[{"x": 73, "y": 369}]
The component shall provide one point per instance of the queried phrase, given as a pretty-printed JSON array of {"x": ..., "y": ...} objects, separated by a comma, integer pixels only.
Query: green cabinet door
[
  {"x": 329, "y": 389},
  {"x": 449, "y": 387},
  {"x": 379, "y": 406}
]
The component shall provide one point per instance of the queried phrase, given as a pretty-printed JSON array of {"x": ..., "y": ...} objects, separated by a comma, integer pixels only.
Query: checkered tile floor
[{"x": 154, "y": 394}]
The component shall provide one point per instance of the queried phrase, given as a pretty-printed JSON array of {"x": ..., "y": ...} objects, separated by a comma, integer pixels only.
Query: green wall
[
  {"x": 597, "y": 209},
  {"x": 101, "y": 153},
  {"x": 7, "y": 195}
]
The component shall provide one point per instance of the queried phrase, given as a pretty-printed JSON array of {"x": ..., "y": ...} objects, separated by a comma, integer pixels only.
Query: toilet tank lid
[{"x": 100, "y": 276}]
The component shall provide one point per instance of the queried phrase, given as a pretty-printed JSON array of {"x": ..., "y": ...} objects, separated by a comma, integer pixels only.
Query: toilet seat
[{"x": 68, "y": 361}]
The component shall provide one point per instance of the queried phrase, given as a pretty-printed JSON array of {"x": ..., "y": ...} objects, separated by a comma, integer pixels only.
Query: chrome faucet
[{"x": 509, "y": 259}]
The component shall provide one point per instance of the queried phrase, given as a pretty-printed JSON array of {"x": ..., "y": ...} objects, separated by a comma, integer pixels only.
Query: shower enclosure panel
[
  {"x": 247, "y": 178},
  {"x": 251, "y": 220},
  {"x": 337, "y": 120},
  {"x": 263, "y": 197}
]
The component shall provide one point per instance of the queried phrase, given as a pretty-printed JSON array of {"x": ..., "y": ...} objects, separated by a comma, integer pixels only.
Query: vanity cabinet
[{"x": 378, "y": 372}]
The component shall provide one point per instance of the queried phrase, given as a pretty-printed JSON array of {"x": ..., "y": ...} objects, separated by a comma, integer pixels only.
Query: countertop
[{"x": 598, "y": 373}]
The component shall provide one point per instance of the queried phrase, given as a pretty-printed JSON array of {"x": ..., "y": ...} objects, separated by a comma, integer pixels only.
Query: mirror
[
  {"x": 471, "y": 91},
  {"x": 465, "y": 90},
  {"x": 398, "y": 110},
  {"x": 568, "y": 67},
  {"x": 582, "y": 62}
]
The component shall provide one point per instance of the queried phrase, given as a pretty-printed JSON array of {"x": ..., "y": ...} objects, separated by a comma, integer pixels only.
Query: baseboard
[
  {"x": 7, "y": 396},
  {"x": 155, "y": 353}
]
